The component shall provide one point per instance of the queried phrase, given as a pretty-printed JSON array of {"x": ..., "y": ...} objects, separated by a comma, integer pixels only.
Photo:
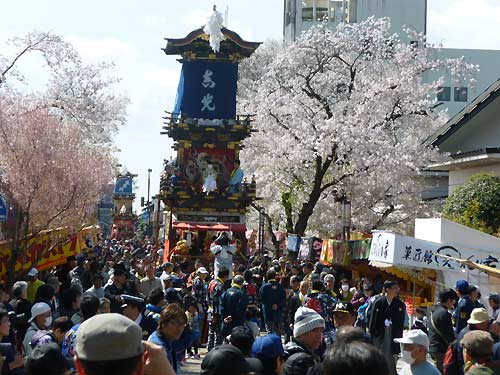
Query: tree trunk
[
  {"x": 308, "y": 207},
  {"x": 288, "y": 207}
]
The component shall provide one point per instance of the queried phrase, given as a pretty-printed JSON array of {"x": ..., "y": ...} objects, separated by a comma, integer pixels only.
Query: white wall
[
  {"x": 459, "y": 177},
  {"x": 446, "y": 231},
  {"x": 482, "y": 131}
]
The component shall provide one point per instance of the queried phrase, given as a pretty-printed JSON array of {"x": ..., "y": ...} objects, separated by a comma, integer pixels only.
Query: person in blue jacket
[
  {"x": 170, "y": 328},
  {"x": 464, "y": 306},
  {"x": 272, "y": 295},
  {"x": 233, "y": 306},
  {"x": 236, "y": 178}
]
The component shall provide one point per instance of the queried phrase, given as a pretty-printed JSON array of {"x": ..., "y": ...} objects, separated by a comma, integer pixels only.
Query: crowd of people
[{"x": 115, "y": 309}]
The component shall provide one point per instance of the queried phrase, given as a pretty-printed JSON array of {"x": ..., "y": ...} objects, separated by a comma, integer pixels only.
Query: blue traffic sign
[{"x": 3, "y": 209}]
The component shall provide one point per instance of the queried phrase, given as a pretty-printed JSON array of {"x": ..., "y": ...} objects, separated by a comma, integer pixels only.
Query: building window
[
  {"x": 315, "y": 10},
  {"x": 444, "y": 94},
  {"x": 460, "y": 94},
  {"x": 321, "y": 10},
  {"x": 308, "y": 10},
  {"x": 337, "y": 8}
]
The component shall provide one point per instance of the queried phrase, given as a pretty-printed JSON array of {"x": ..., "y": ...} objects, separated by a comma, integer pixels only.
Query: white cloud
[
  {"x": 103, "y": 49},
  {"x": 464, "y": 23},
  {"x": 155, "y": 21},
  {"x": 195, "y": 18}
]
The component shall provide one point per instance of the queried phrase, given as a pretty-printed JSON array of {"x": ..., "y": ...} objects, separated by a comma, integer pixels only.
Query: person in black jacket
[
  {"x": 388, "y": 310},
  {"x": 233, "y": 306},
  {"x": 441, "y": 333},
  {"x": 307, "y": 338},
  {"x": 120, "y": 286},
  {"x": 131, "y": 308}
]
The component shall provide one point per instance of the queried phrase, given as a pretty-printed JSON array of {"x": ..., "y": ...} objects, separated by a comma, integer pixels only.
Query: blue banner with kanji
[{"x": 207, "y": 90}]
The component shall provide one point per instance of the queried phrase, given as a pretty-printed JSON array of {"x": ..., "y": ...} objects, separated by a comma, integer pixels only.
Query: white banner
[{"x": 406, "y": 251}]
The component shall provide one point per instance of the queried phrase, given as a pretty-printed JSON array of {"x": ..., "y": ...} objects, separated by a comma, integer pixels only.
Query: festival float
[
  {"x": 204, "y": 187},
  {"x": 123, "y": 198}
]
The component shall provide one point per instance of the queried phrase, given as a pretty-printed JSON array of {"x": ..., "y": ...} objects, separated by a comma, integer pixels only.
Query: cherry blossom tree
[
  {"x": 343, "y": 114},
  {"x": 56, "y": 150},
  {"x": 83, "y": 94},
  {"x": 49, "y": 170}
]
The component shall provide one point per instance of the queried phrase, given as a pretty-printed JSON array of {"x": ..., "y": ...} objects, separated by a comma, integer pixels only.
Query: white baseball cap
[
  {"x": 202, "y": 270},
  {"x": 38, "y": 309},
  {"x": 33, "y": 272},
  {"x": 415, "y": 336}
]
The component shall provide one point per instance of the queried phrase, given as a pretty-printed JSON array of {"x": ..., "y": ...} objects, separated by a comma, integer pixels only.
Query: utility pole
[{"x": 148, "y": 204}]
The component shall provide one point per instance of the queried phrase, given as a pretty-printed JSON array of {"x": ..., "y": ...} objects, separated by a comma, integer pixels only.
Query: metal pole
[
  {"x": 261, "y": 230},
  {"x": 346, "y": 219},
  {"x": 148, "y": 203},
  {"x": 157, "y": 229}
]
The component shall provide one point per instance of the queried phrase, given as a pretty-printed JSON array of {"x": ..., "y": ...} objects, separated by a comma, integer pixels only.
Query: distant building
[{"x": 300, "y": 15}]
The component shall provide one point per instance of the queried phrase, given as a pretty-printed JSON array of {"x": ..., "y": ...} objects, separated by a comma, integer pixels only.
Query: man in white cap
[
  {"x": 41, "y": 319},
  {"x": 33, "y": 284},
  {"x": 200, "y": 290},
  {"x": 308, "y": 329},
  {"x": 414, "y": 347}
]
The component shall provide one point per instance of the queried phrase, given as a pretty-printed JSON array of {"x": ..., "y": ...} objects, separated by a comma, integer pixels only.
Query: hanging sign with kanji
[{"x": 208, "y": 90}]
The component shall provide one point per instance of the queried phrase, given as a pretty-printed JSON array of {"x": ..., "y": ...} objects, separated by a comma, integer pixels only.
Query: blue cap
[
  {"x": 462, "y": 286},
  {"x": 268, "y": 346}
]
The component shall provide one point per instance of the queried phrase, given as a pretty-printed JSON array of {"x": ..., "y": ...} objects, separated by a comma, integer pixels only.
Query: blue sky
[{"x": 130, "y": 33}]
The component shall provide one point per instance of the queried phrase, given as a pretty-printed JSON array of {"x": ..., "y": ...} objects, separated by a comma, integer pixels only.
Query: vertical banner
[
  {"x": 293, "y": 243},
  {"x": 315, "y": 251},
  {"x": 305, "y": 248},
  {"x": 208, "y": 90}
]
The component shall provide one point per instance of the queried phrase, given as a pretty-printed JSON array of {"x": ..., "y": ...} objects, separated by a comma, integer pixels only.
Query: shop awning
[{"x": 209, "y": 227}]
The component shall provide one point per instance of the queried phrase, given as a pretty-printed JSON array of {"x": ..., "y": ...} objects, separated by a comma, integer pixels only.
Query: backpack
[
  {"x": 38, "y": 336},
  {"x": 369, "y": 309},
  {"x": 313, "y": 303},
  {"x": 451, "y": 363},
  {"x": 362, "y": 319}
]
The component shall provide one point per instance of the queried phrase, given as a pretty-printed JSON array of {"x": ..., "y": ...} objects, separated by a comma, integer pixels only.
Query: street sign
[{"x": 3, "y": 209}]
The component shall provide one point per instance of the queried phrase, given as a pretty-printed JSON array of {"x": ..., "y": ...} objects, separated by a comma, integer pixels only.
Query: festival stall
[
  {"x": 351, "y": 259},
  {"x": 448, "y": 259}
]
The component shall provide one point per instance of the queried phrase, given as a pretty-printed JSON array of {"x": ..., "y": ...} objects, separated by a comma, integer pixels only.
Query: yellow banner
[{"x": 50, "y": 247}]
